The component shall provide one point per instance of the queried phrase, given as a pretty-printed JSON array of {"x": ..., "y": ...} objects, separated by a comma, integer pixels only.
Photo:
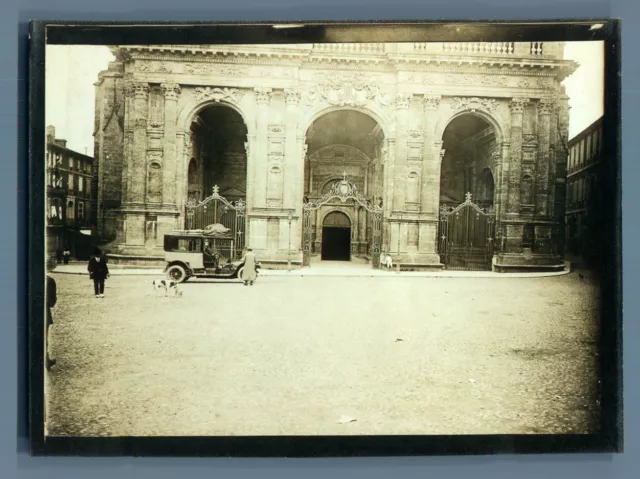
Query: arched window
[
  {"x": 154, "y": 183},
  {"x": 526, "y": 190}
]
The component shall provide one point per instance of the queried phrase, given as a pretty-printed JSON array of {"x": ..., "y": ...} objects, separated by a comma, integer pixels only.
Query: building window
[
  {"x": 71, "y": 181},
  {"x": 80, "y": 184},
  {"x": 71, "y": 162},
  {"x": 80, "y": 210}
]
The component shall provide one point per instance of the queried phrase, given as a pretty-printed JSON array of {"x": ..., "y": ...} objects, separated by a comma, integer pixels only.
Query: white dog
[
  {"x": 387, "y": 262},
  {"x": 165, "y": 284}
]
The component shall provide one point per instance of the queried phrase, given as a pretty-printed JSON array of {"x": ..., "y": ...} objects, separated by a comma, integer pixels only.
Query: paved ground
[{"x": 292, "y": 355}]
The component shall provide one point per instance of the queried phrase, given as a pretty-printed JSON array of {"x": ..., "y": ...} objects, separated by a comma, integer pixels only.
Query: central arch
[
  {"x": 336, "y": 237},
  {"x": 344, "y": 144}
]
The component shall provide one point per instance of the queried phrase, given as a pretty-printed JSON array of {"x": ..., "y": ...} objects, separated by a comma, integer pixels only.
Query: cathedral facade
[{"x": 414, "y": 129}]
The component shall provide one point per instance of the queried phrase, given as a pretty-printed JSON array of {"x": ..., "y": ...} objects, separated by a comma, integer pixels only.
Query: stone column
[
  {"x": 545, "y": 107},
  {"x": 129, "y": 123},
  {"x": 293, "y": 164},
  {"x": 170, "y": 159},
  {"x": 515, "y": 164},
  {"x": 400, "y": 164},
  {"x": 138, "y": 167},
  {"x": 263, "y": 101},
  {"x": 431, "y": 162}
]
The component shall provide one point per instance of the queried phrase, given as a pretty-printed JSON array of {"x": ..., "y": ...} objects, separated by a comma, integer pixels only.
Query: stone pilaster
[
  {"x": 517, "y": 106},
  {"x": 170, "y": 160},
  {"x": 137, "y": 187},
  {"x": 293, "y": 167},
  {"x": 430, "y": 188},
  {"x": 263, "y": 101},
  {"x": 400, "y": 164},
  {"x": 545, "y": 107},
  {"x": 129, "y": 117}
]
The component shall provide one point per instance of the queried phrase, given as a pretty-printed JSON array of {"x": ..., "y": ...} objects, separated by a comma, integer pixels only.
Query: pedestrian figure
[
  {"x": 382, "y": 257},
  {"x": 249, "y": 272},
  {"x": 66, "y": 255},
  {"x": 51, "y": 298},
  {"x": 98, "y": 272},
  {"x": 59, "y": 255},
  {"x": 387, "y": 261}
]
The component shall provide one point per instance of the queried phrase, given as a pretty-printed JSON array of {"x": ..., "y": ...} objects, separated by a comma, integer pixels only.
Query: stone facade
[{"x": 151, "y": 111}]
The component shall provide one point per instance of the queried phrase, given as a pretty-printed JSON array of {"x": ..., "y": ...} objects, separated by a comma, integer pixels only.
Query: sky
[{"x": 71, "y": 71}]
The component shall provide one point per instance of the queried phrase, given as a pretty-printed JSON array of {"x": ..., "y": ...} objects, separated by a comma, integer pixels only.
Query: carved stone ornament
[
  {"x": 292, "y": 97},
  {"x": 546, "y": 106},
  {"x": 141, "y": 90},
  {"x": 141, "y": 123},
  {"x": 347, "y": 89},
  {"x": 442, "y": 152},
  {"x": 477, "y": 80},
  {"x": 218, "y": 94},
  {"x": 171, "y": 90},
  {"x": 403, "y": 100},
  {"x": 415, "y": 134},
  {"x": 305, "y": 148},
  {"x": 155, "y": 124},
  {"x": 474, "y": 104},
  {"x": 154, "y": 157},
  {"x": 431, "y": 102},
  {"x": 529, "y": 138},
  {"x": 518, "y": 105},
  {"x": 276, "y": 129},
  {"x": 247, "y": 148},
  {"x": 263, "y": 94}
]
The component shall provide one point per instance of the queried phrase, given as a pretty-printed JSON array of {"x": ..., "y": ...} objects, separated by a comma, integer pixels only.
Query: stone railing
[
  {"x": 515, "y": 49},
  {"x": 366, "y": 48}
]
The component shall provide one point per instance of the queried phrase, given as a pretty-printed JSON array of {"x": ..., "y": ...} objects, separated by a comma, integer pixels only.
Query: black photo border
[{"x": 608, "y": 439}]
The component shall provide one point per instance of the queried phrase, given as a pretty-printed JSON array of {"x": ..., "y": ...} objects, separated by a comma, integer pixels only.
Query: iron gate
[
  {"x": 218, "y": 210},
  {"x": 466, "y": 236},
  {"x": 345, "y": 192}
]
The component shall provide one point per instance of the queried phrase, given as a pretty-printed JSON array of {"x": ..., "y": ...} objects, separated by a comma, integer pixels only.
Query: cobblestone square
[{"x": 293, "y": 355}]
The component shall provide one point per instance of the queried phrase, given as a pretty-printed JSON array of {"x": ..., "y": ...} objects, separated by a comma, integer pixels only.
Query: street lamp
[{"x": 289, "y": 250}]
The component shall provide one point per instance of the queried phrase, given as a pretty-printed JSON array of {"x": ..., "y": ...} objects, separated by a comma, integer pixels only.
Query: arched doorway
[
  {"x": 218, "y": 156},
  {"x": 343, "y": 146},
  {"x": 467, "y": 190},
  {"x": 336, "y": 237}
]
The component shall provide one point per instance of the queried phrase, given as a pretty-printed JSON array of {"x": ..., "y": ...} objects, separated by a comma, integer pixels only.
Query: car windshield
[{"x": 183, "y": 245}]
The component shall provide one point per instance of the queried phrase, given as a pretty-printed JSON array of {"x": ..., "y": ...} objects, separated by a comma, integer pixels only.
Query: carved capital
[
  {"x": 305, "y": 148},
  {"x": 403, "y": 100},
  {"x": 171, "y": 90},
  {"x": 431, "y": 102},
  {"x": 441, "y": 154},
  {"x": 140, "y": 90},
  {"x": 263, "y": 95},
  {"x": 292, "y": 97},
  {"x": 247, "y": 148},
  {"x": 154, "y": 157},
  {"x": 129, "y": 88},
  {"x": 140, "y": 123},
  {"x": 546, "y": 106},
  {"x": 518, "y": 105}
]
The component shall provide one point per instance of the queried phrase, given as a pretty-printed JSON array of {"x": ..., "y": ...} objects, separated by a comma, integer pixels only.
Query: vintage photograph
[{"x": 324, "y": 239}]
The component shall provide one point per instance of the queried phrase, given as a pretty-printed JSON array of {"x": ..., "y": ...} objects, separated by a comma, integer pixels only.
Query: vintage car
[{"x": 201, "y": 254}]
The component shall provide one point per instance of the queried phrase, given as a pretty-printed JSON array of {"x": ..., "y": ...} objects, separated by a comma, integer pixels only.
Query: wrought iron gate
[
  {"x": 218, "y": 210},
  {"x": 466, "y": 236},
  {"x": 345, "y": 192}
]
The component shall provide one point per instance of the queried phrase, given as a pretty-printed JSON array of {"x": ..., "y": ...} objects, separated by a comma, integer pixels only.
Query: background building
[
  {"x": 69, "y": 187},
  {"x": 295, "y": 133},
  {"x": 585, "y": 198}
]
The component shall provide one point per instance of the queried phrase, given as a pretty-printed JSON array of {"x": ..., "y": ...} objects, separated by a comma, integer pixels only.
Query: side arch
[
  {"x": 192, "y": 108},
  {"x": 494, "y": 121}
]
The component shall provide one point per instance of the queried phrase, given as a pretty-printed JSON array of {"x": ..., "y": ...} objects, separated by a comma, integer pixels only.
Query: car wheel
[
  {"x": 177, "y": 273},
  {"x": 239, "y": 274}
]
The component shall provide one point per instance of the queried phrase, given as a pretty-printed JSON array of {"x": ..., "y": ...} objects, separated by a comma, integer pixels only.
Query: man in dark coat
[
  {"x": 98, "y": 272},
  {"x": 52, "y": 299}
]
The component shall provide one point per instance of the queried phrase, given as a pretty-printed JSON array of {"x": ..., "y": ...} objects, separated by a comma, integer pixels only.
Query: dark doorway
[{"x": 336, "y": 237}]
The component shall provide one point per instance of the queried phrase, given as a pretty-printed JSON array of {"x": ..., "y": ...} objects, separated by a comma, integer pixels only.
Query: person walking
[
  {"x": 52, "y": 299},
  {"x": 249, "y": 272},
  {"x": 66, "y": 255},
  {"x": 98, "y": 272}
]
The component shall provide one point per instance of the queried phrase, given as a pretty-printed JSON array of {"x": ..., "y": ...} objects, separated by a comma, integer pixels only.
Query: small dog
[
  {"x": 164, "y": 284},
  {"x": 177, "y": 292},
  {"x": 388, "y": 262}
]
